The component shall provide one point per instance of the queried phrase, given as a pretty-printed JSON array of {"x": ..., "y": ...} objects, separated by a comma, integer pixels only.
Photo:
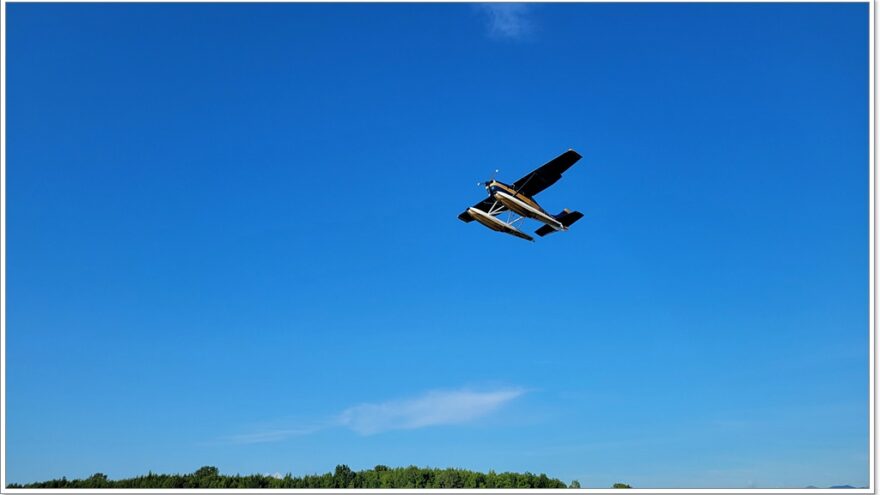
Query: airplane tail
[{"x": 566, "y": 217}]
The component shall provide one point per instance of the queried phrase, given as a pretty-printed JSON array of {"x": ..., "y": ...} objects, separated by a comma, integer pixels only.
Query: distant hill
[
  {"x": 837, "y": 486},
  {"x": 342, "y": 477}
]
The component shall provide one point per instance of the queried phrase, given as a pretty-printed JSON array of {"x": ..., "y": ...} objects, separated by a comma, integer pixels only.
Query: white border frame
[{"x": 873, "y": 375}]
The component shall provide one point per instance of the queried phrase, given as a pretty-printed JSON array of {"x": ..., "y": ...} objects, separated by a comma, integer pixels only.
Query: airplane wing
[
  {"x": 546, "y": 175},
  {"x": 483, "y": 205}
]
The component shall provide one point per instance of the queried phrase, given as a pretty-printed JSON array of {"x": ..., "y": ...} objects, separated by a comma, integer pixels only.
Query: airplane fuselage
[{"x": 521, "y": 204}]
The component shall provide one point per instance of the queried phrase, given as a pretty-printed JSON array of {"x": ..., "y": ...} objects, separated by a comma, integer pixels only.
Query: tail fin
[{"x": 566, "y": 218}]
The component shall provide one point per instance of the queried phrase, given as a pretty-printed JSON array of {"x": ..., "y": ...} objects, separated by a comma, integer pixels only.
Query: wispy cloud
[
  {"x": 433, "y": 408},
  {"x": 271, "y": 435},
  {"x": 507, "y": 20}
]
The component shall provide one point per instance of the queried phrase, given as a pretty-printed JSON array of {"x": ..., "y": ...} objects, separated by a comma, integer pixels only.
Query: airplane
[{"x": 519, "y": 198}]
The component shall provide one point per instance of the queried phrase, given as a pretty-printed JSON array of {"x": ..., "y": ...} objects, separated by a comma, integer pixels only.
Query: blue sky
[{"x": 232, "y": 241}]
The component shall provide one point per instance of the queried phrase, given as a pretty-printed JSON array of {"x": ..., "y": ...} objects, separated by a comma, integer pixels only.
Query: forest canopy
[{"x": 342, "y": 477}]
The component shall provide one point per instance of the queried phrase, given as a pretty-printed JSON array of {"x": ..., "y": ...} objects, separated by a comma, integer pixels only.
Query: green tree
[
  {"x": 621, "y": 485},
  {"x": 206, "y": 472},
  {"x": 575, "y": 484},
  {"x": 343, "y": 476}
]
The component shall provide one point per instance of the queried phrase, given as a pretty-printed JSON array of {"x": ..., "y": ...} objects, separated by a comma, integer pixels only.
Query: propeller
[{"x": 486, "y": 184}]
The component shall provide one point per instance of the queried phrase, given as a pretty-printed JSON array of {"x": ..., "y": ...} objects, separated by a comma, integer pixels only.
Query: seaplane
[{"x": 518, "y": 201}]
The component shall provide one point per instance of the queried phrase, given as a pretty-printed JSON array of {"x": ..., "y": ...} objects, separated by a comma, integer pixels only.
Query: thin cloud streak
[
  {"x": 507, "y": 20},
  {"x": 271, "y": 435},
  {"x": 433, "y": 408}
]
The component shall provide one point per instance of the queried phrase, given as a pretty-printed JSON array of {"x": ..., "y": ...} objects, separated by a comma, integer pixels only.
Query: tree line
[{"x": 342, "y": 477}]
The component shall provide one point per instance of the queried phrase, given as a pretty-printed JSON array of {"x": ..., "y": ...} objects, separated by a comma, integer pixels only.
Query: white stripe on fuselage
[{"x": 527, "y": 210}]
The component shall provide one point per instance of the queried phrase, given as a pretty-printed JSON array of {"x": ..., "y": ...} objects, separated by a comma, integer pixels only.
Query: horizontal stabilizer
[{"x": 566, "y": 218}]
